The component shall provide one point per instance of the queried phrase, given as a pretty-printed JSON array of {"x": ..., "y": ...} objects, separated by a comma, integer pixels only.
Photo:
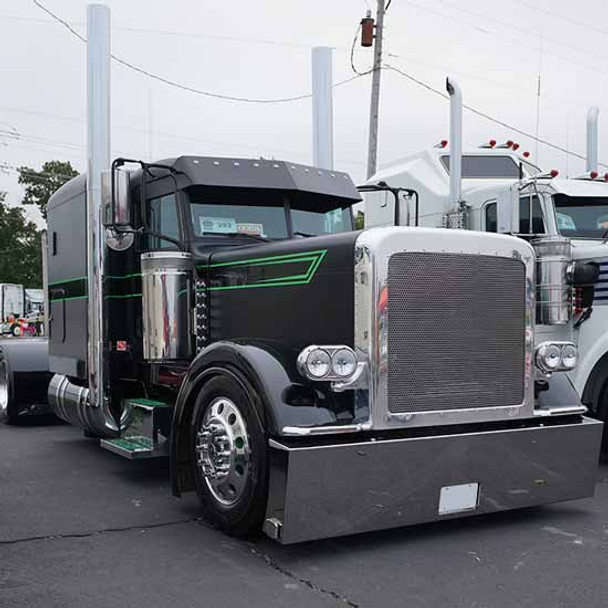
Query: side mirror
[
  {"x": 115, "y": 197},
  {"x": 507, "y": 209}
]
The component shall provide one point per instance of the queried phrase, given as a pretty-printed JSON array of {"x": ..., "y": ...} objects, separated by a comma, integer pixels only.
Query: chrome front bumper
[{"x": 321, "y": 490}]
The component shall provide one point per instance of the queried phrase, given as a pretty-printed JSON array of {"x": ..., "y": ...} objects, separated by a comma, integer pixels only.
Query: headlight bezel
[
  {"x": 543, "y": 350},
  {"x": 331, "y": 351}
]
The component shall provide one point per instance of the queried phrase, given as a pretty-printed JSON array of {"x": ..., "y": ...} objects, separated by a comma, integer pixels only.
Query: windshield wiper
[{"x": 305, "y": 234}]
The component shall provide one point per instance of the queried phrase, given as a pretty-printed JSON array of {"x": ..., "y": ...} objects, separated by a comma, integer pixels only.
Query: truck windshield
[
  {"x": 269, "y": 222},
  {"x": 582, "y": 216}
]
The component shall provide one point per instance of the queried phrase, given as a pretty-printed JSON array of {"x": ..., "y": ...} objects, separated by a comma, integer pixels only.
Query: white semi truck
[
  {"x": 12, "y": 302},
  {"x": 497, "y": 189},
  {"x": 21, "y": 310}
]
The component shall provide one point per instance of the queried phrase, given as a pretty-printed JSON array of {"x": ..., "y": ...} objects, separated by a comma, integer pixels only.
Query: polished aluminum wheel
[
  {"x": 4, "y": 388},
  {"x": 222, "y": 451}
]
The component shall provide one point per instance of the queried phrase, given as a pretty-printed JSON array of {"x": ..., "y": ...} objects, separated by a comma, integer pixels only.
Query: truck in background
[
  {"x": 21, "y": 310},
  {"x": 12, "y": 305},
  {"x": 498, "y": 189},
  {"x": 24, "y": 367}
]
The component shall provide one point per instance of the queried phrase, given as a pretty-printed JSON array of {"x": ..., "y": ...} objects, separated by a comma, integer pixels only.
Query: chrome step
[{"x": 147, "y": 435}]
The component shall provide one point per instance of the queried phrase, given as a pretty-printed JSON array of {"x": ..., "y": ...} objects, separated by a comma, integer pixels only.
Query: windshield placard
[{"x": 218, "y": 225}]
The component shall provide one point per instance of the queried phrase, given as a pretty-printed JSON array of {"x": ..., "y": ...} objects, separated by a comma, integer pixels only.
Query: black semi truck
[{"x": 305, "y": 378}]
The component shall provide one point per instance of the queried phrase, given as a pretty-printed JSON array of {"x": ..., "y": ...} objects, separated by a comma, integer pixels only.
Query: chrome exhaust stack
[
  {"x": 592, "y": 138},
  {"x": 90, "y": 407},
  {"x": 455, "y": 141}
]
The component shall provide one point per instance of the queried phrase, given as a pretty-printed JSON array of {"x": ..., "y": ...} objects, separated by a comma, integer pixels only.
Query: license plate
[{"x": 456, "y": 499}]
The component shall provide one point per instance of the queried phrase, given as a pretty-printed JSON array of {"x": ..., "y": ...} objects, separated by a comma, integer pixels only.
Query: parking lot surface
[{"x": 81, "y": 527}]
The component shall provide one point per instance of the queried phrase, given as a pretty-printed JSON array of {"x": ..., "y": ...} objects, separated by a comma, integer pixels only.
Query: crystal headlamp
[
  {"x": 327, "y": 363},
  {"x": 556, "y": 356}
]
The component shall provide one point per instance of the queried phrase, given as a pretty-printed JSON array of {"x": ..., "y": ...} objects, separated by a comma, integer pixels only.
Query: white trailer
[{"x": 500, "y": 190}]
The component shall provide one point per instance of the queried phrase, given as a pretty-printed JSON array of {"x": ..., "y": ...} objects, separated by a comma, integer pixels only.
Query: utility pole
[{"x": 372, "y": 151}]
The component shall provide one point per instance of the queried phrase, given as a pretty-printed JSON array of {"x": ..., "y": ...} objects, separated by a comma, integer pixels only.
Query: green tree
[
  {"x": 40, "y": 185},
  {"x": 20, "y": 247},
  {"x": 359, "y": 220}
]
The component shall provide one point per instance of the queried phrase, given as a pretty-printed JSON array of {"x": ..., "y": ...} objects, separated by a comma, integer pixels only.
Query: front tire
[{"x": 229, "y": 455}]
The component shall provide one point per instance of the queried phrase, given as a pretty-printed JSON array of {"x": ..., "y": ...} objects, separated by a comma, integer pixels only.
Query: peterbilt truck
[
  {"x": 305, "y": 378},
  {"x": 564, "y": 219}
]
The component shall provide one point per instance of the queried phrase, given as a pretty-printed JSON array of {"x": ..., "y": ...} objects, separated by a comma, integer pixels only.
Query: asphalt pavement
[{"x": 81, "y": 527}]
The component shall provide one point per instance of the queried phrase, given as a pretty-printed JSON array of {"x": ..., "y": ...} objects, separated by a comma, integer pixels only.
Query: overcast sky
[{"x": 495, "y": 49}]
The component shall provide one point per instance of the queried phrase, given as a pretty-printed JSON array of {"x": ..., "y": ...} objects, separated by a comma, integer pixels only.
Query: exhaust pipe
[
  {"x": 322, "y": 112},
  {"x": 592, "y": 138},
  {"x": 90, "y": 407},
  {"x": 455, "y": 141},
  {"x": 72, "y": 403}
]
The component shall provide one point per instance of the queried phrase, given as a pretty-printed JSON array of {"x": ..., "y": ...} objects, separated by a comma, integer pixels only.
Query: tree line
[{"x": 20, "y": 239}]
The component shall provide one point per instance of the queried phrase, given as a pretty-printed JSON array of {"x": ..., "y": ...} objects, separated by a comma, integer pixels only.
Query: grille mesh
[{"x": 455, "y": 332}]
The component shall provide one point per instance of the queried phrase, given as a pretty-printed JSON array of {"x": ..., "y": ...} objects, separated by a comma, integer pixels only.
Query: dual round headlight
[
  {"x": 556, "y": 356},
  {"x": 327, "y": 362}
]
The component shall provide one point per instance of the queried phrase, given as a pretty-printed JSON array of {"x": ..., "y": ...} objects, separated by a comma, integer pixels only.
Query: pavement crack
[
  {"x": 29, "y": 539},
  {"x": 304, "y": 581}
]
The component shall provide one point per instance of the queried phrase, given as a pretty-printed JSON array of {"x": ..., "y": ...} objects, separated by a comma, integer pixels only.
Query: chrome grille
[{"x": 455, "y": 336}]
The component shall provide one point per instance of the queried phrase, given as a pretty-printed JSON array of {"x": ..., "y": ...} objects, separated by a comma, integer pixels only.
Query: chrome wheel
[
  {"x": 3, "y": 388},
  {"x": 222, "y": 451}
]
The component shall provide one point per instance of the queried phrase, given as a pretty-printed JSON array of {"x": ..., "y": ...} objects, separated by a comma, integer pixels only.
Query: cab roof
[
  {"x": 310, "y": 183},
  {"x": 262, "y": 174}
]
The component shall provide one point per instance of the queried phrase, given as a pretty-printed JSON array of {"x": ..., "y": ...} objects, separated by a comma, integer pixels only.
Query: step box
[{"x": 147, "y": 435}]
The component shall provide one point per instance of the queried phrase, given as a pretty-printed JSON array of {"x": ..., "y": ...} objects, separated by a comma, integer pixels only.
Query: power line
[
  {"x": 14, "y": 169},
  {"x": 81, "y": 147},
  {"x": 498, "y": 83},
  {"x": 584, "y": 24},
  {"x": 488, "y": 117},
  {"x": 184, "y": 87},
  {"x": 180, "y": 34},
  {"x": 352, "y": 56},
  {"x": 526, "y": 32},
  {"x": 481, "y": 29}
]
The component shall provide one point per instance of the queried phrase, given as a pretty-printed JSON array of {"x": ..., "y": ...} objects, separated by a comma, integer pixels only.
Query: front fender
[{"x": 265, "y": 373}]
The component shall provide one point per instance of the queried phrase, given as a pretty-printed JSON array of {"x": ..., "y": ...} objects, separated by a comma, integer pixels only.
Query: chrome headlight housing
[
  {"x": 556, "y": 356},
  {"x": 327, "y": 363}
]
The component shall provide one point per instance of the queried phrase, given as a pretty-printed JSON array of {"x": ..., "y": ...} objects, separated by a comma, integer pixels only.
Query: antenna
[{"x": 540, "y": 69}]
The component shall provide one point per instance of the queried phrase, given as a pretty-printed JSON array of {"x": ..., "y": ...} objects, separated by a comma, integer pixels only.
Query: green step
[
  {"x": 135, "y": 447},
  {"x": 145, "y": 403}
]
